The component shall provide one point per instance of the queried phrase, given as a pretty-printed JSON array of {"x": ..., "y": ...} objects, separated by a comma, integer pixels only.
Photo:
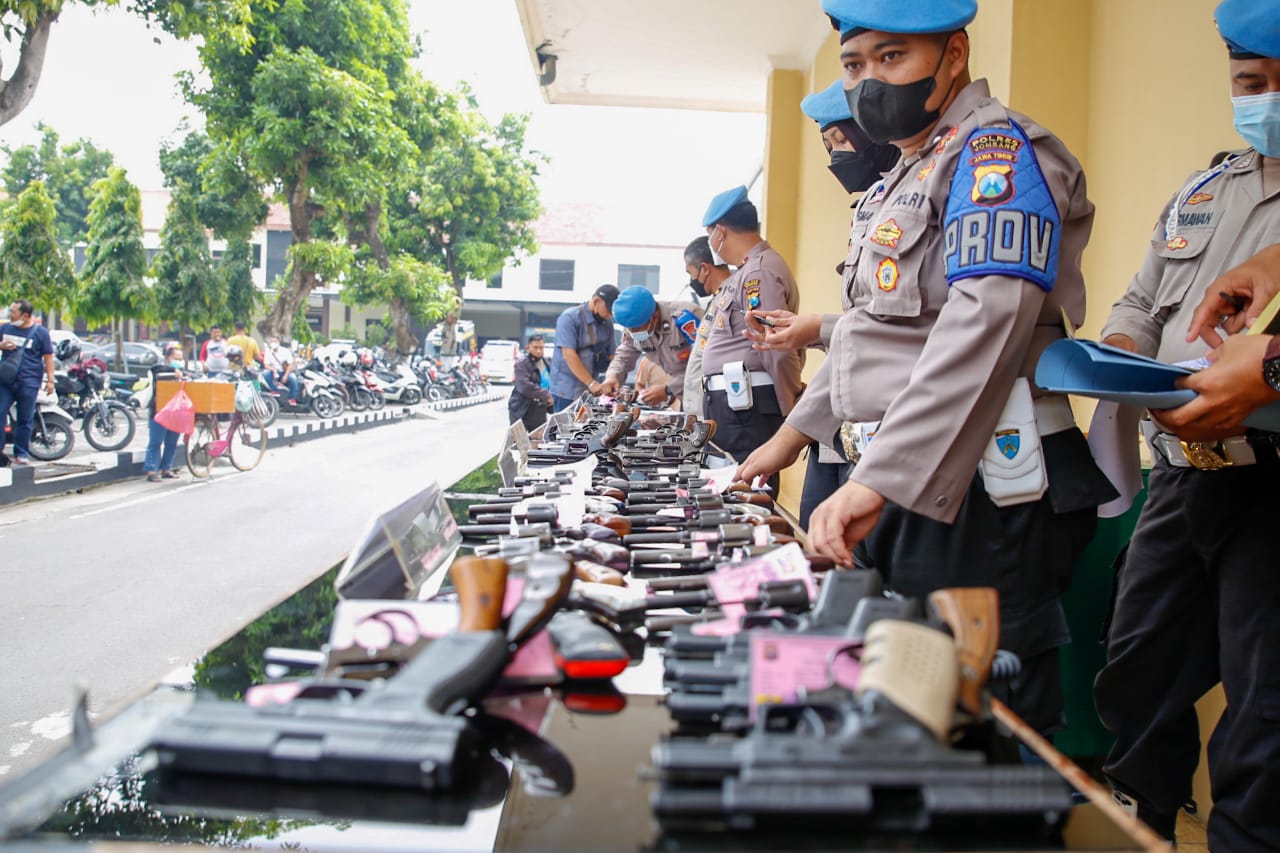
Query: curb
[{"x": 24, "y": 486}]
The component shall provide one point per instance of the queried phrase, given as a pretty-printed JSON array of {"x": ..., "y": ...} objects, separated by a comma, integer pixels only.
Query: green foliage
[
  {"x": 424, "y": 288},
  {"x": 326, "y": 259},
  {"x": 476, "y": 202},
  {"x": 32, "y": 264},
  {"x": 235, "y": 277},
  {"x": 300, "y": 330},
  {"x": 186, "y": 289},
  {"x": 112, "y": 284},
  {"x": 376, "y": 335},
  {"x": 228, "y": 201},
  {"x": 68, "y": 171}
]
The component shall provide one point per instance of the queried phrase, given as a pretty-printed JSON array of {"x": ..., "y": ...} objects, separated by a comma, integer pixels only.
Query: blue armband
[
  {"x": 1001, "y": 217},
  {"x": 687, "y": 322}
]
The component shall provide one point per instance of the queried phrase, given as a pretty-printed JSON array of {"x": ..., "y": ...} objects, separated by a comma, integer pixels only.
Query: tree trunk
[
  {"x": 301, "y": 280},
  {"x": 116, "y": 325},
  {"x": 18, "y": 90},
  {"x": 405, "y": 340}
]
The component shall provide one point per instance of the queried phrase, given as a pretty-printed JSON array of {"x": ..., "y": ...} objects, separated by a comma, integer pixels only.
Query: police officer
[
  {"x": 584, "y": 346},
  {"x": 1198, "y": 599},
  {"x": 857, "y": 163},
  {"x": 663, "y": 331},
  {"x": 962, "y": 260},
  {"x": 706, "y": 277},
  {"x": 746, "y": 392}
]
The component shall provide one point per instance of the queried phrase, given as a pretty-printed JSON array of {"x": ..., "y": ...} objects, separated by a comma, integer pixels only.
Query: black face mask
[
  {"x": 856, "y": 170},
  {"x": 889, "y": 111},
  {"x": 699, "y": 289}
]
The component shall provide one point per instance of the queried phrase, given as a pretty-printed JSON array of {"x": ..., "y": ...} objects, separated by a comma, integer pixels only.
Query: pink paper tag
[
  {"x": 783, "y": 663},
  {"x": 735, "y": 583}
]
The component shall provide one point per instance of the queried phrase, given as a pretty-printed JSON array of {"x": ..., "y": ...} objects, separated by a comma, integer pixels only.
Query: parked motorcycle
[
  {"x": 52, "y": 436},
  {"x": 108, "y": 425},
  {"x": 315, "y": 397}
]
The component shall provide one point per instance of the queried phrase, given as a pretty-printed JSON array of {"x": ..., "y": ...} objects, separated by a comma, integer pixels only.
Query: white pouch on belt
[
  {"x": 737, "y": 385},
  {"x": 1012, "y": 465}
]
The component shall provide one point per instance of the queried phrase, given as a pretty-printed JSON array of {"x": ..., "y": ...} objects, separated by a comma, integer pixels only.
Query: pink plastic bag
[{"x": 179, "y": 414}]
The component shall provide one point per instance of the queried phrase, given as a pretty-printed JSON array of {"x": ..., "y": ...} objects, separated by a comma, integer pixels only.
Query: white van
[{"x": 498, "y": 361}]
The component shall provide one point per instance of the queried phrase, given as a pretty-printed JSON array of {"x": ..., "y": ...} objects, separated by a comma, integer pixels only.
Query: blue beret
[
  {"x": 902, "y": 16},
  {"x": 1250, "y": 26},
  {"x": 722, "y": 204},
  {"x": 634, "y": 307},
  {"x": 828, "y": 106}
]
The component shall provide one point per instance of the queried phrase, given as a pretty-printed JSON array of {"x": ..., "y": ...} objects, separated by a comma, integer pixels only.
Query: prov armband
[
  {"x": 687, "y": 322},
  {"x": 1001, "y": 217}
]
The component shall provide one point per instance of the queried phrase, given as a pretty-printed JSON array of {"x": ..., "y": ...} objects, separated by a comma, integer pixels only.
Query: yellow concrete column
[
  {"x": 781, "y": 161},
  {"x": 781, "y": 199}
]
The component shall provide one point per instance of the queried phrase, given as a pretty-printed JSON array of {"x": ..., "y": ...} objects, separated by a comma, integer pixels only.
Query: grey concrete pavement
[{"x": 115, "y": 588}]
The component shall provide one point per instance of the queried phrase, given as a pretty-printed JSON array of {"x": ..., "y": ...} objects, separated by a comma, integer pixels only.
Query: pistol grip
[
  {"x": 973, "y": 615},
  {"x": 482, "y": 584},
  {"x": 702, "y": 433}
]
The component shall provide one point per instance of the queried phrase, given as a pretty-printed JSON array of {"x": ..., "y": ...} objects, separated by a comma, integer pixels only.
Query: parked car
[
  {"x": 139, "y": 357},
  {"x": 498, "y": 361}
]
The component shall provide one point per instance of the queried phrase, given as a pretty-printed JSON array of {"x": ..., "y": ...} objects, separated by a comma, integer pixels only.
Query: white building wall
[{"x": 594, "y": 265}]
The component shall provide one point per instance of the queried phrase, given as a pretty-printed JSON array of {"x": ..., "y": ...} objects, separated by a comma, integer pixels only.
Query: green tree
[
  {"x": 67, "y": 170},
  {"x": 228, "y": 201},
  {"x": 235, "y": 277},
  {"x": 409, "y": 287},
  {"x": 186, "y": 289},
  {"x": 307, "y": 111},
  {"x": 27, "y": 23},
  {"x": 478, "y": 201},
  {"x": 111, "y": 283},
  {"x": 32, "y": 264}
]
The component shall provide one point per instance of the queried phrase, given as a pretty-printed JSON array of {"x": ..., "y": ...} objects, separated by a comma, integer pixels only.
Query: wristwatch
[{"x": 1271, "y": 363}]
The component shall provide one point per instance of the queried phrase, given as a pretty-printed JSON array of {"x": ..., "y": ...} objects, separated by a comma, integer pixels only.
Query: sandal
[
  {"x": 153, "y": 477},
  {"x": 168, "y": 475}
]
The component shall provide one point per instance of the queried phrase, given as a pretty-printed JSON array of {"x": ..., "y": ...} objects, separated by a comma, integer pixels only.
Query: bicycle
[{"x": 244, "y": 443}]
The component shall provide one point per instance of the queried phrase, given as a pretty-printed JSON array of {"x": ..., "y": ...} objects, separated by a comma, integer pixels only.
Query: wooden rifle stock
[{"x": 973, "y": 615}]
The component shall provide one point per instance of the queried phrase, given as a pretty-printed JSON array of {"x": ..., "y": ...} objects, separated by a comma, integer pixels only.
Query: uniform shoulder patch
[
  {"x": 687, "y": 323},
  {"x": 1001, "y": 217},
  {"x": 752, "y": 291}
]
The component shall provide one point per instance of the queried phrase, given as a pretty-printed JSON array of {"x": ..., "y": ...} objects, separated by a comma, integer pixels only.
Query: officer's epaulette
[{"x": 1218, "y": 158}]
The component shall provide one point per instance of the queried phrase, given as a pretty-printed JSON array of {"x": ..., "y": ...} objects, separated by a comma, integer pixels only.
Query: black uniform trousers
[
  {"x": 1198, "y": 601},
  {"x": 1026, "y": 552},
  {"x": 740, "y": 433},
  {"x": 821, "y": 479}
]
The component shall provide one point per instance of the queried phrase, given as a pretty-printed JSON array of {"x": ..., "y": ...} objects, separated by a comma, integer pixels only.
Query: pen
[
  {"x": 1236, "y": 302},
  {"x": 764, "y": 321}
]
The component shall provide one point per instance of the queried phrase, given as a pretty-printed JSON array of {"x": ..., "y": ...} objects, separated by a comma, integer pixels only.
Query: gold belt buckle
[
  {"x": 850, "y": 446},
  {"x": 1205, "y": 455}
]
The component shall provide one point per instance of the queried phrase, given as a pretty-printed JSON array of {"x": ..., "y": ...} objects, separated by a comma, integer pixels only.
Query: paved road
[{"x": 115, "y": 588}]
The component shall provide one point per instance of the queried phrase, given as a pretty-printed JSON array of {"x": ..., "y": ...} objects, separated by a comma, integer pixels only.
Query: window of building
[
  {"x": 632, "y": 274},
  {"x": 555, "y": 275},
  {"x": 495, "y": 281}
]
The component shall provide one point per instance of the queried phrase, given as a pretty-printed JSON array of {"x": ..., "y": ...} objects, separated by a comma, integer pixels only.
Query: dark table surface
[{"x": 593, "y": 794}]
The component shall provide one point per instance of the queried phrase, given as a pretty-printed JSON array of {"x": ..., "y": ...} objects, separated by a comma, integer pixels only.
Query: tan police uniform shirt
[
  {"x": 1221, "y": 217},
  {"x": 763, "y": 283},
  {"x": 933, "y": 362},
  {"x": 692, "y": 401},
  {"x": 669, "y": 347}
]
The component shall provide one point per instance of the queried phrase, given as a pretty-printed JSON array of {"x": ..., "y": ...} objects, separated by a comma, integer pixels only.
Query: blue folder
[{"x": 1091, "y": 369}]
